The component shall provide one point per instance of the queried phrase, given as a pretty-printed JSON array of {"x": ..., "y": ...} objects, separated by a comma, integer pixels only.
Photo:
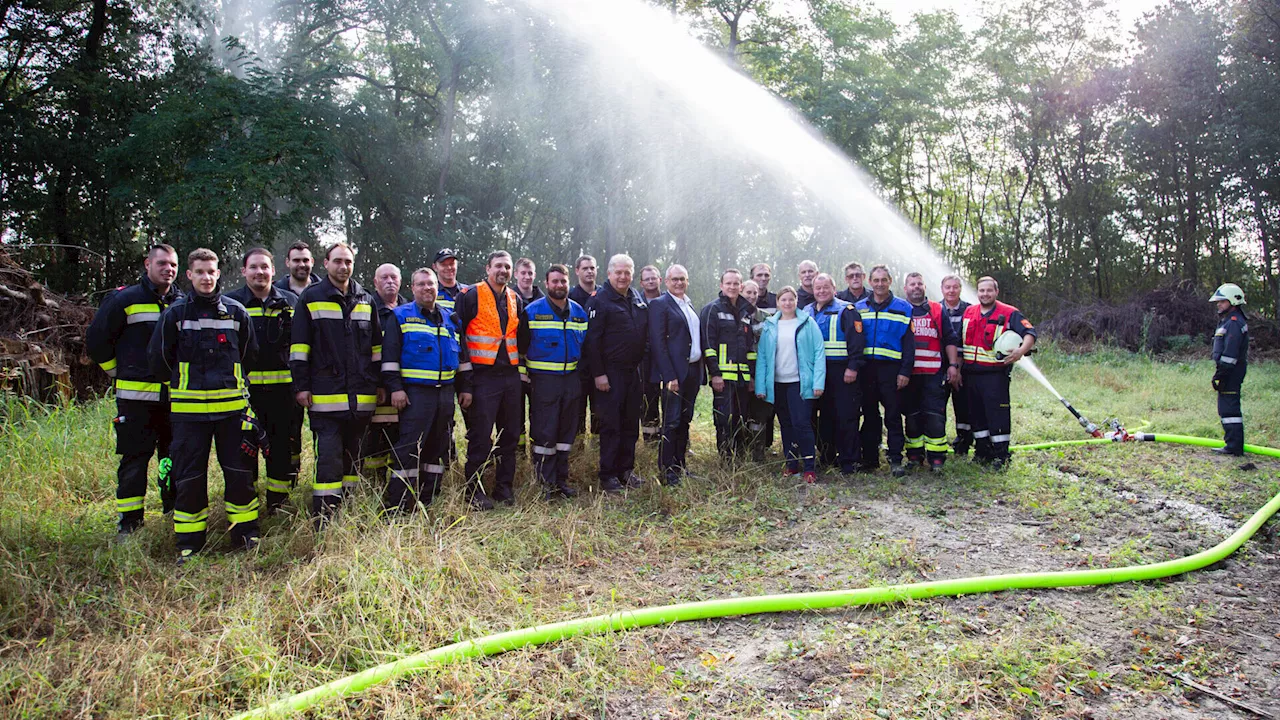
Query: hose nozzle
[{"x": 1089, "y": 427}]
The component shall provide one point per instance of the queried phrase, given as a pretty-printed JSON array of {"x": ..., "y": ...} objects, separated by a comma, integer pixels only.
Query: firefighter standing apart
[
  {"x": 1231, "y": 361},
  {"x": 271, "y": 312},
  {"x": 336, "y": 362},
  {"x": 551, "y": 338},
  {"x": 200, "y": 345},
  {"x": 986, "y": 374},
  {"x": 420, "y": 357},
  {"x": 117, "y": 340},
  {"x": 937, "y": 368}
]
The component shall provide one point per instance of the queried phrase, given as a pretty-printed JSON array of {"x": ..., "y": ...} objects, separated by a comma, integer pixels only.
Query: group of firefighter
[{"x": 379, "y": 374}]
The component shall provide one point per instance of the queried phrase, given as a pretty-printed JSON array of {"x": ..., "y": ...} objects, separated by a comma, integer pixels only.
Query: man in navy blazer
[{"x": 675, "y": 348}]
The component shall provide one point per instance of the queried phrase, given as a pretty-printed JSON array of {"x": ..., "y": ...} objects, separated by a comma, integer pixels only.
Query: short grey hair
[{"x": 621, "y": 259}]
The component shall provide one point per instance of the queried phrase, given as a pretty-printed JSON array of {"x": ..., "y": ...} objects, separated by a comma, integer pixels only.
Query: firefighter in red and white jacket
[
  {"x": 985, "y": 374},
  {"x": 937, "y": 367}
]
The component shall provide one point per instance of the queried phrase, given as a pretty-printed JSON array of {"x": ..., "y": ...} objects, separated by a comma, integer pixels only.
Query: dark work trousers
[
  {"x": 988, "y": 394},
  {"x": 759, "y": 420},
  {"x": 1230, "y": 412},
  {"x": 651, "y": 413},
  {"x": 836, "y": 420},
  {"x": 191, "y": 444},
  {"x": 274, "y": 406},
  {"x": 554, "y": 403},
  {"x": 526, "y": 402},
  {"x": 879, "y": 382},
  {"x": 588, "y": 396},
  {"x": 619, "y": 421},
  {"x": 795, "y": 417},
  {"x": 380, "y": 438},
  {"x": 677, "y": 415},
  {"x": 417, "y": 459},
  {"x": 924, "y": 401},
  {"x": 497, "y": 400},
  {"x": 295, "y": 440},
  {"x": 964, "y": 432},
  {"x": 338, "y": 437},
  {"x": 142, "y": 429},
  {"x": 729, "y": 410}
]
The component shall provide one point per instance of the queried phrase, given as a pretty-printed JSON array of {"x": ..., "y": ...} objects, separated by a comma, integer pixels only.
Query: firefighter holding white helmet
[
  {"x": 1231, "y": 360},
  {"x": 995, "y": 336}
]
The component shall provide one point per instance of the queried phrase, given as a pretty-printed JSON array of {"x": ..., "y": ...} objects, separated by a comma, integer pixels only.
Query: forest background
[{"x": 1075, "y": 159}]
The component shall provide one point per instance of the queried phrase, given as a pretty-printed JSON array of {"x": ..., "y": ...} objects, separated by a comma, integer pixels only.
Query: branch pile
[
  {"x": 1177, "y": 318},
  {"x": 42, "y": 350}
]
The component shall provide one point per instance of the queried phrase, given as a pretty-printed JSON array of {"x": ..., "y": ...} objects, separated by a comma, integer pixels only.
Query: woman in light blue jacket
[{"x": 791, "y": 370}]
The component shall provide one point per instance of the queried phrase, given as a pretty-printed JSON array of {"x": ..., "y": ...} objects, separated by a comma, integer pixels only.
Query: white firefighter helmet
[
  {"x": 1007, "y": 343},
  {"x": 1230, "y": 292}
]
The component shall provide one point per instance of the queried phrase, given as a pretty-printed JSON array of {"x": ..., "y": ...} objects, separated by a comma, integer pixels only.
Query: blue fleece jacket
[{"x": 810, "y": 356}]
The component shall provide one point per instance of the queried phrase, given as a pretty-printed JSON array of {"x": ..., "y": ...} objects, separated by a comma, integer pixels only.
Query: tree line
[{"x": 1073, "y": 159}]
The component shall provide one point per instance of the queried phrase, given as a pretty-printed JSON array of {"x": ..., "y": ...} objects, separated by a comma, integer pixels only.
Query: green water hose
[{"x": 727, "y": 607}]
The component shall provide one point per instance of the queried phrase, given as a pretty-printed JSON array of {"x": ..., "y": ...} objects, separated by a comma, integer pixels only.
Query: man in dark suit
[{"x": 675, "y": 344}]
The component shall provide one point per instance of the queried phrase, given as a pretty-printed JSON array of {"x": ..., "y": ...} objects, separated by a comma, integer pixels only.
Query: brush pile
[{"x": 42, "y": 350}]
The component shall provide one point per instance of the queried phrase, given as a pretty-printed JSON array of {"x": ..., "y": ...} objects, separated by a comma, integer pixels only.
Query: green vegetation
[{"x": 88, "y": 627}]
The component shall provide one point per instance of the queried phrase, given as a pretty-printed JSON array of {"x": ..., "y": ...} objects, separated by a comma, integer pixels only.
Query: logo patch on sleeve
[{"x": 1026, "y": 323}]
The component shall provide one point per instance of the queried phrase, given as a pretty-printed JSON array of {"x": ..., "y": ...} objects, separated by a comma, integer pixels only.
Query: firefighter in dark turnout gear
[
  {"x": 616, "y": 341},
  {"x": 836, "y": 419},
  {"x": 270, "y": 384},
  {"x": 336, "y": 363},
  {"x": 200, "y": 345},
  {"x": 448, "y": 290},
  {"x": 584, "y": 270},
  {"x": 986, "y": 375},
  {"x": 953, "y": 307},
  {"x": 421, "y": 352},
  {"x": 550, "y": 338},
  {"x": 297, "y": 277},
  {"x": 1231, "y": 362},
  {"x": 889, "y": 355},
  {"x": 729, "y": 349},
  {"x": 117, "y": 340},
  {"x": 384, "y": 426},
  {"x": 937, "y": 367},
  {"x": 490, "y": 380}
]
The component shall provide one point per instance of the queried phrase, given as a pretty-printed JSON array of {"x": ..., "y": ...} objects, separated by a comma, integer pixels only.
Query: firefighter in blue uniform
[
  {"x": 271, "y": 310},
  {"x": 616, "y": 340},
  {"x": 420, "y": 358},
  {"x": 200, "y": 345},
  {"x": 1231, "y": 361},
  {"x": 837, "y": 409},
  {"x": 335, "y": 360},
  {"x": 117, "y": 340},
  {"x": 889, "y": 357},
  {"x": 550, "y": 341}
]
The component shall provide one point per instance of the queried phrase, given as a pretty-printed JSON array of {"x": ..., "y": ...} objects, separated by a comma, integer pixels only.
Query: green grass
[{"x": 88, "y": 628}]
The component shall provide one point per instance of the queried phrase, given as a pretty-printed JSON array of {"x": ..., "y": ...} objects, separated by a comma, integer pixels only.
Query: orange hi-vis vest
[
  {"x": 980, "y": 333},
  {"x": 927, "y": 331},
  {"x": 485, "y": 334}
]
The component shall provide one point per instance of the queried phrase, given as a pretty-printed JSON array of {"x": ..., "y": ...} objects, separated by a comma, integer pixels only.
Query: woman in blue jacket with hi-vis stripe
[{"x": 791, "y": 371}]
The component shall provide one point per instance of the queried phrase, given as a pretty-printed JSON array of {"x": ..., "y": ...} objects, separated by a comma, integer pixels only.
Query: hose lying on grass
[{"x": 667, "y": 614}]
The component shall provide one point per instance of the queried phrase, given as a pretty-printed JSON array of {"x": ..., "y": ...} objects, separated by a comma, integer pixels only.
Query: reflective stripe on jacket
[
  {"x": 555, "y": 339},
  {"x": 118, "y": 336},
  {"x": 420, "y": 349},
  {"x": 201, "y": 344},
  {"x": 336, "y": 353}
]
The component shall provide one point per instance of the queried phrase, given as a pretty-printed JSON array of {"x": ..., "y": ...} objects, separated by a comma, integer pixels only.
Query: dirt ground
[{"x": 1220, "y": 624}]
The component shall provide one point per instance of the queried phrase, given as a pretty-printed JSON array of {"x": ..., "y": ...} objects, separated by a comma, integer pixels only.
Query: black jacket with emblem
[
  {"x": 272, "y": 319},
  {"x": 1231, "y": 344},
  {"x": 118, "y": 336},
  {"x": 729, "y": 347},
  {"x": 200, "y": 346},
  {"x": 336, "y": 353},
  {"x": 617, "y": 331}
]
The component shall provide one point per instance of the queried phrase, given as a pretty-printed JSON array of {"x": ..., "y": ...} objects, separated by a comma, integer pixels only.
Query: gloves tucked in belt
[{"x": 1219, "y": 376}]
